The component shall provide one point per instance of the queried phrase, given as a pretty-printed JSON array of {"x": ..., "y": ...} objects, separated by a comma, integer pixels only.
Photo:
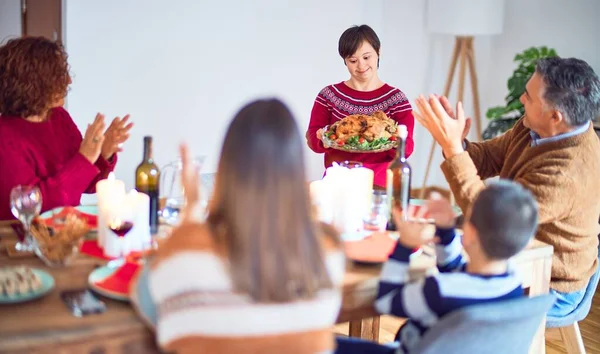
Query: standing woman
[
  {"x": 40, "y": 144},
  {"x": 362, "y": 93}
]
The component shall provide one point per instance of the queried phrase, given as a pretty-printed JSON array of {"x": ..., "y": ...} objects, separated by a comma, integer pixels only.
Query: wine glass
[
  {"x": 120, "y": 225},
  {"x": 25, "y": 204},
  {"x": 351, "y": 164}
]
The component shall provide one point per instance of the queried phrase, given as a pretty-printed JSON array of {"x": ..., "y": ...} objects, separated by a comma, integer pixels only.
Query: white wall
[
  {"x": 10, "y": 19},
  {"x": 182, "y": 70}
]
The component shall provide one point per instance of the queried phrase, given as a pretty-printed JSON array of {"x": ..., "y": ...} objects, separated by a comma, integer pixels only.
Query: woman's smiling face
[{"x": 362, "y": 65}]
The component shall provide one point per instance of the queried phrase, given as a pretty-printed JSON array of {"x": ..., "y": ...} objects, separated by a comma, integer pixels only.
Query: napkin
[
  {"x": 54, "y": 221},
  {"x": 119, "y": 281},
  {"x": 91, "y": 248}
]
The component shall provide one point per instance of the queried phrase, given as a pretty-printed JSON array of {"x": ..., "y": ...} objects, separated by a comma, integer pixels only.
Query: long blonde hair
[{"x": 260, "y": 213}]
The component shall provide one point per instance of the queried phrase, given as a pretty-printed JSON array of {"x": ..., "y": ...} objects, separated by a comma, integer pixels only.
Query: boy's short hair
[{"x": 505, "y": 216}]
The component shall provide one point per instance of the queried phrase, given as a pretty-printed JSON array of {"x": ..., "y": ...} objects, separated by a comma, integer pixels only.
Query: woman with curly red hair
[{"x": 40, "y": 144}]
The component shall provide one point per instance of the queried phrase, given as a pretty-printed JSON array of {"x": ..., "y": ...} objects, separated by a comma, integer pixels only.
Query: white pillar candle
[
  {"x": 110, "y": 192},
  {"x": 362, "y": 182},
  {"x": 139, "y": 239},
  {"x": 320, "y": 195},
  {"x": 340, "y": 182}
]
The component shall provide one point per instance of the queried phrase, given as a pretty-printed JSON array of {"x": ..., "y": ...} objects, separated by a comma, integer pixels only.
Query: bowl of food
[
  {"x": 58, "y": 246},
  {"x": 362, "y": 133}
]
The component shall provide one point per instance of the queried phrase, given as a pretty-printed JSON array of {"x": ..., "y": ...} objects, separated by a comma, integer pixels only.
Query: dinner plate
[
  {"x": 47, "y": 284},
  {"x": 91, "y": 212},
  {"x": 102, "y": 273}
]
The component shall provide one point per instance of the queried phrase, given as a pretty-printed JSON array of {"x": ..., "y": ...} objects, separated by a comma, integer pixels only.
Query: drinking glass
[
  {"x": 120, "y": 223},
  {"x": 25, "y": 204},
  {"x": 174, "y": 193},
  {"x": 351, "y": 164},
  {"x": 377, "y": 217}
]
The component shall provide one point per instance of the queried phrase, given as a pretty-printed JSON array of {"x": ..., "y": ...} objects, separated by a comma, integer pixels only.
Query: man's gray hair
[{"x": 572, "y": 87}]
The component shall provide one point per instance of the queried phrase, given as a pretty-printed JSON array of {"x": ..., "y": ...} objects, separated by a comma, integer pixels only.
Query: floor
[{"x": 590, "y": 329}]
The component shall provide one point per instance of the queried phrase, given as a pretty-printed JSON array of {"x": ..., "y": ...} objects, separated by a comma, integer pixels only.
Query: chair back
[{"x": 506, "y": 326}]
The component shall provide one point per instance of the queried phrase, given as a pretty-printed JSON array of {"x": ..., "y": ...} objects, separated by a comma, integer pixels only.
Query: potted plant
[{"x": 504, "y": 117}]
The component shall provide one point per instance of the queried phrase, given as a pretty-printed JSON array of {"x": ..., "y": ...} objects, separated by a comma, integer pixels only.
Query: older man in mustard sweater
[{"x": 553, "y": 151}]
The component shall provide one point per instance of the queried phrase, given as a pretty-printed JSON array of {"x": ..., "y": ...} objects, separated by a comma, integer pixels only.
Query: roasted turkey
[{"x": 370, "y": 127}]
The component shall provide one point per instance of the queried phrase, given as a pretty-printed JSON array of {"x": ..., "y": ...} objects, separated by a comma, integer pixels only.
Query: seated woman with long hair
[
  {"x": 39, "y": 142},
  {"x": 260, "y": 275}
]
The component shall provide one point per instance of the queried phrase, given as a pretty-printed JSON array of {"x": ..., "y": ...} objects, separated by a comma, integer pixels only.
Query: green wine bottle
[{"x": 147, "y": 181}]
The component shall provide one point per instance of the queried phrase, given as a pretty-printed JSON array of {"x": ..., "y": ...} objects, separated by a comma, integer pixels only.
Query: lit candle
[
  {"x": 320, "y": 195},
  {"x": 110, "y": 193}
]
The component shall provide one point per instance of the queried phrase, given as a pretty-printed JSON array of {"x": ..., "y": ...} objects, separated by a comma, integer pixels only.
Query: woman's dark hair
[
  {"x": 260, "y": 213},
  {"x": 34, "y": 75},
  {"x": 353, "y": 37}
]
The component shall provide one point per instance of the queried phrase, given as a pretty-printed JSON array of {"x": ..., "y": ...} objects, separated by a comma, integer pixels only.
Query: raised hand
[
  {"x": 93, "y": 139},
  {"x": 448, "y": 108},
  {"x": 114, "y": 137},
  {"x": 445, "y": 129},
  {"x": 190, "y": 175},
  {"x": 440, "y": 210},
  {"x": 413, "y": 233}
]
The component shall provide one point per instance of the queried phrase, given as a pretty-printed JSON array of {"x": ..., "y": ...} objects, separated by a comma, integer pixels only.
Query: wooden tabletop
[{"x": 46, "y": 324}]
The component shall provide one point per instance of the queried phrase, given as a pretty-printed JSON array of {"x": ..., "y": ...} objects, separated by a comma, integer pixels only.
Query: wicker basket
[{"x": 58, "y": 246}]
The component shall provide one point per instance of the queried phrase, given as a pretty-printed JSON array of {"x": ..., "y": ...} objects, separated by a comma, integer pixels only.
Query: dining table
[{"x": 45, "y": 325}]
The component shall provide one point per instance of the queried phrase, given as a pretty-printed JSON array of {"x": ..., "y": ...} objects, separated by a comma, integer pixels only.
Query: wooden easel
[{"x": 463, "y": 50}]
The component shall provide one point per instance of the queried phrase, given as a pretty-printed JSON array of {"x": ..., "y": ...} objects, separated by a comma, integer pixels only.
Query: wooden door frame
[{"x": 62, "y": 19}]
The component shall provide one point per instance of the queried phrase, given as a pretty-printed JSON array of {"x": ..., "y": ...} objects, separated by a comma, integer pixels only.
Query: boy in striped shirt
[{"x": 502, "y": 221}]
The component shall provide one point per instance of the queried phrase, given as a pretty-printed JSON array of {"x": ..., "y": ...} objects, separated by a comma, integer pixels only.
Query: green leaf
[
  {"x": 525, "y": 67},
  {"x": 495, "y": 112}
]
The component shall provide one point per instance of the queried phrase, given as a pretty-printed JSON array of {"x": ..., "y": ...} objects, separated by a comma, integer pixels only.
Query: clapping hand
[
  {"x": 414, "y": 233},
  {"x": 93, "y": 139},
  {"x": 447, "y": 128},
  {"x": 440, "y": 210},
  {"x": 114, "y": 137}
]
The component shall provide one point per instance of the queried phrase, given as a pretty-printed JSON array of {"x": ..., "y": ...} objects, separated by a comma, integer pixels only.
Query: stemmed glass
[
  {"x": 351, "y": 164},
  {"x": 25, "y": 204},
  {"x": 120, "y": 223}
]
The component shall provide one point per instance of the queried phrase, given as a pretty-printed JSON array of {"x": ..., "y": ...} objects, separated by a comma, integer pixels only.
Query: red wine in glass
[{"x": 121, "y": 228}]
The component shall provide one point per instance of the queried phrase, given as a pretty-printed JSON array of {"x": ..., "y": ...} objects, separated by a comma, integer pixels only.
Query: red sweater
[
  {"x": 337, "y": 101},
  {"x": 46, "y": 154}
]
